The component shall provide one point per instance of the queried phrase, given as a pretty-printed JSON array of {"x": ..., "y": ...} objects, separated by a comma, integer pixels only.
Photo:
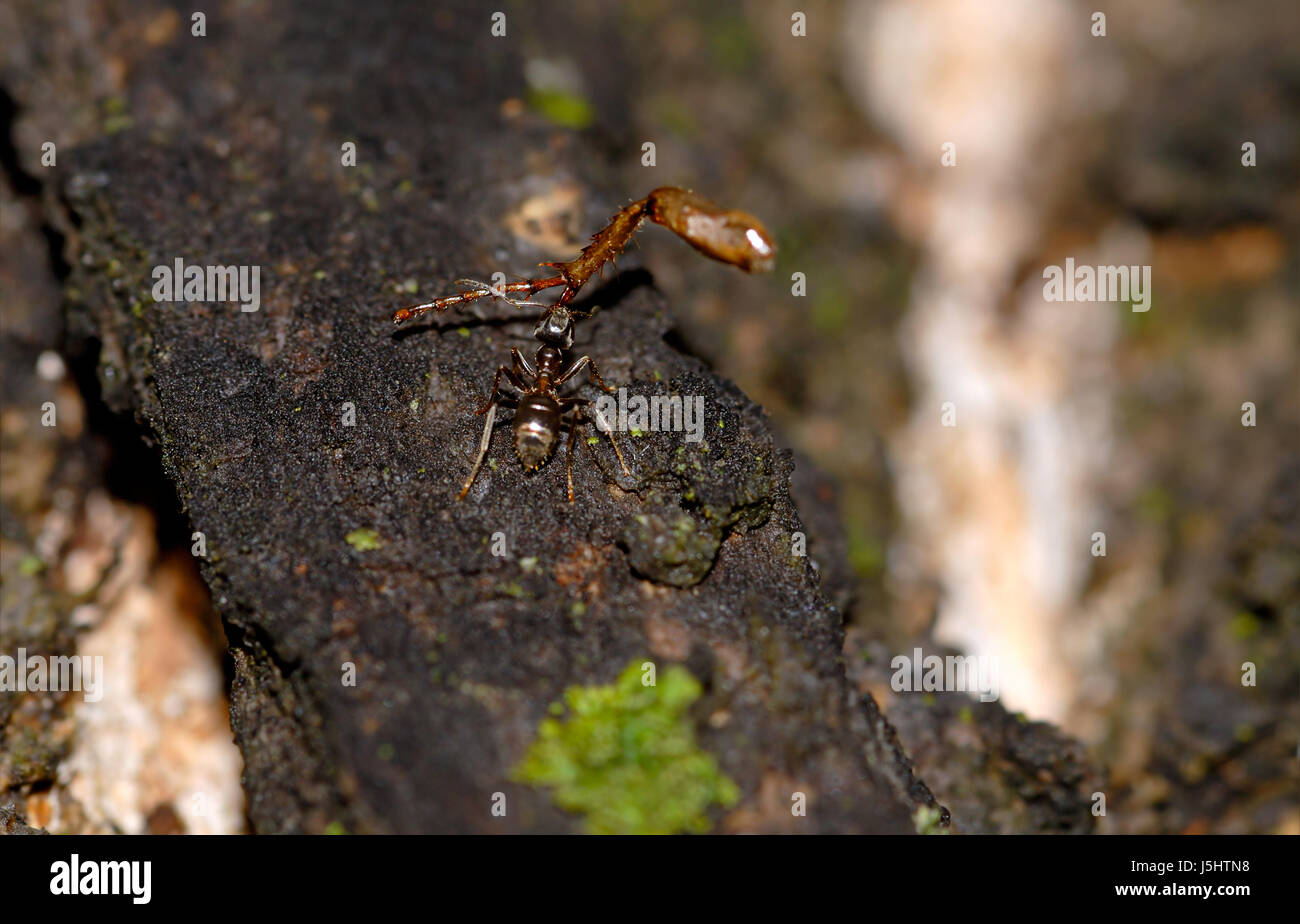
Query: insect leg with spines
[{"x": 728, "y": 235}]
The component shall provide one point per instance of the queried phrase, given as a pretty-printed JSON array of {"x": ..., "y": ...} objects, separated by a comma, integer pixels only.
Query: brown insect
[
  {"x": 729, "y": 235},
  {"x": 540, "y": 412}
]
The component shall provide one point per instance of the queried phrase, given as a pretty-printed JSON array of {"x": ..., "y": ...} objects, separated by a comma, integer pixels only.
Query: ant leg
[
  {"x": 577, "y": 367},
  {"x": 574, "y": 427},
  {"x": 613, "y": 442},
  {"x": 522, "y": 363},
  {"x": 482, "y": 448},
  {"x": 583, "y": 315},
  {"x": 571, "y": 283},
  {"x": 495, "y": 386},
  {"x": 602, "y": 425}
]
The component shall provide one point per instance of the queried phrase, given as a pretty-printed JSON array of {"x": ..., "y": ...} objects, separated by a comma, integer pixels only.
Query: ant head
[{"x": 556, "y": 328}]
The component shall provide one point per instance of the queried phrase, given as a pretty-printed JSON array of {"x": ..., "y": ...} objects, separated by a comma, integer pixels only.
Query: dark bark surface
[
  {"x": 457, "y": 651},
  {"x": 335, "y": 541}
]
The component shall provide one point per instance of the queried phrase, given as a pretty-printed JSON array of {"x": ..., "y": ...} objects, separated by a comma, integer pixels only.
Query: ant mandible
[{"x": 728, "y": 235}]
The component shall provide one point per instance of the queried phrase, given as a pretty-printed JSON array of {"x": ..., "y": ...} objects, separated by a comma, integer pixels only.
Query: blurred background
[{"x": 923, "y": 286}]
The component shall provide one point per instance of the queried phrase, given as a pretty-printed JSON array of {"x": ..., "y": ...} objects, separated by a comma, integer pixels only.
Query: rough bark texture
[
  {"x": 458, "y": 651},
  {"x": 332, "y": 543}
]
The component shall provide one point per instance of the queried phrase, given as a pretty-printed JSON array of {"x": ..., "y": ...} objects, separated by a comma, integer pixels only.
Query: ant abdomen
[{"x": 536, "y": 428}]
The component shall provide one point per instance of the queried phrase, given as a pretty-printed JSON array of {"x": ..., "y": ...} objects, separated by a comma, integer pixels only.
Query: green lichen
[
  {"x": 831, "y": 308},
  {"x": 1155, "y": 505},
  {"x": 929, "y": 820},
  {"x": 676, "y": 550},
  {"x": 1244, "y": 626},
  {"x": 567, "y": 110},
  {"x": 866, "y": 552},
  {"x": 675, "y": 117},
  {"x": 364, "y": 540},
  {"x": 733, "y": 44},
  {"x": 116, "y": 117},
  {"x": 626, "y": 757},
  {"x": 513, "y": 589}
]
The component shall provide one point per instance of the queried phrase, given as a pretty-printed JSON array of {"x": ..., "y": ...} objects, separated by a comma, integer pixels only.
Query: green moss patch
[
  {"x": 625, "y": 757},
  {"x": 364, "y": 540}
]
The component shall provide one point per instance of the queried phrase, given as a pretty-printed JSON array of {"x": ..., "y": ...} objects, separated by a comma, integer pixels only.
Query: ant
[
  {"x": 728, "y": 235},
  {"x": 540, "y": 413}
]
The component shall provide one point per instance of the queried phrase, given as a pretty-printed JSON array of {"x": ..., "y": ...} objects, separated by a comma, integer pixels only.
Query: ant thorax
[
  {"x": 549, "y": 362},
  {"x": 556, "y": 328}
]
